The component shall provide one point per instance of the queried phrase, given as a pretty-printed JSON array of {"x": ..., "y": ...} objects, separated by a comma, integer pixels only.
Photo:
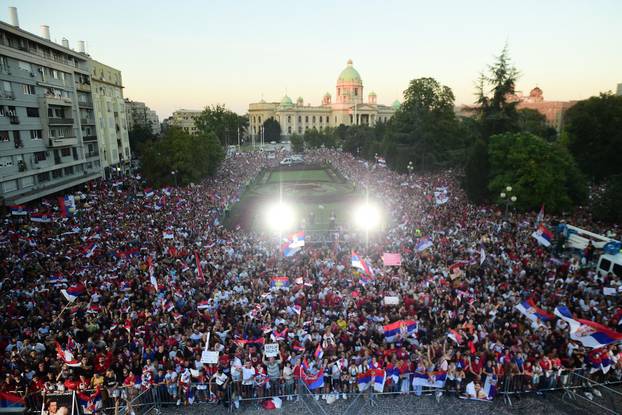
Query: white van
[{"x": 610, "y": 264}]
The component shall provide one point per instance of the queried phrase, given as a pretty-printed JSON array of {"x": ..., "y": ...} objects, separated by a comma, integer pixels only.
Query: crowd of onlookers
[{"x": 155, "y": 273}]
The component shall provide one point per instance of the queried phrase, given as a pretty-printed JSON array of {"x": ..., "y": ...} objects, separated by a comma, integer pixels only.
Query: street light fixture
[
  {"x": 410, "y": 167},
  {"x": 174, "y": 173},
  {"x": 507, "y": 198}
]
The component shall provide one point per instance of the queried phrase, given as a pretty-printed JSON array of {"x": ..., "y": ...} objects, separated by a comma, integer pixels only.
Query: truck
[{"x": 609, "y": 262}]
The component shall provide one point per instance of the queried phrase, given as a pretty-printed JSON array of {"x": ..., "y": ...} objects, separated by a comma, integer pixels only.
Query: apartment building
[
  {"x": 48, "y": 136},
  {"x": 110, "y": 118},
  {"x": 140, "y": 115},
  {"x": 184, "y": 119}
]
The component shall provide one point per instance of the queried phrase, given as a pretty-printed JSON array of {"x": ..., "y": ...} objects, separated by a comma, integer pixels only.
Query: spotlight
[
  {"x": 367, "y": 216},
  {"x": 279, "y": 216}
]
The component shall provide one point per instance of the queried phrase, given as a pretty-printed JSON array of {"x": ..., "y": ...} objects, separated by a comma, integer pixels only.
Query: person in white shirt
[
  {"x": 218, "y": 385},
  {"x": 248, "y": 377}
]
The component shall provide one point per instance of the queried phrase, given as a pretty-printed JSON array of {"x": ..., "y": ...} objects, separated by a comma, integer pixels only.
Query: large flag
[
  {"x": 314, "y": 381},
  {"x": 19, "y": 210},
  {"x": 67, "y": 206},
  {"x": 423, "y": 244},
  {"x": 540, "y": 217},
  {"x": 66, "y": 356},
  {"x": 10, "y": 402},
  {"x": 399, "y": 330},
  {"x": 73, "y": 292},
  {"x": 90, "y": 403},
  {"x": 589, "y": 333},
  {"x": 362, "y": 264},
  {"x": 532, "y": 312},
  {"x": 543, "y": 235},
  {"x": 279, "y": 282},
  {"x": 41, "y": 217},
  {"x": 363, "y": 380},
  {"x": 431, "y": 379},
  {"x": 293, "y": 243},
  {"x": 391, "y": 259},
  {"x": 440, "y": 196},
  {"x": 319, "y": 352},
  {"x": 56, "y": 279},
  {"x": 378, "y": 377},
  {"x": 455, "y": 336}
]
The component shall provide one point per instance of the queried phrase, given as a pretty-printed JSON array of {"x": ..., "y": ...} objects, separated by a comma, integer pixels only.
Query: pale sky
[{"x": 189, "y": 54}]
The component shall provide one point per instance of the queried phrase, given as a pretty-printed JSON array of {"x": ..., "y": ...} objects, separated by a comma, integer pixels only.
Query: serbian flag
[
  {"x": 363, "y": 380},
  {"x": 293, "y": 243},
  {"x": 399, "y": 330},
  {"x": 148, "y": 192},
  {"x": 455, "y": 336},
  {"x": 73, "y": 292},
  {"x": 378, "y": 377},
  {"x": 56, "y": 279},
  {"x": 319, "y": 352},
  {"x": 66, "y": 356},
  {"x": 279, "y": 282},
  {"x": 89, "y": 249},
  {"x": 90, "y": 403},
  {"x": 10, "y": 402},
  {"x": 67, "y": 206},
  {"x": 423, "y": 244},
  {"x": 41, "y": 217},
  {"x": 362, "y": 264},
  {"x": 393, "y": 373},
  {"x": 430, "y": 379},
  {"x": 203, "y": 305},
  {"x": 242, "y": 342},
  {"x": 543, "y": 235},
  {"x": 199, "y": 268},
  {"x": 589, "y": 333},
  {"x": 391, "y": 259},
  {"x": 19, "y": 210},
  {"x": 540, "y": 217},
  {"x": 532, "y": 312},
  {"x": 314, "y": 381},
  {"x": 168, "y": 235}
]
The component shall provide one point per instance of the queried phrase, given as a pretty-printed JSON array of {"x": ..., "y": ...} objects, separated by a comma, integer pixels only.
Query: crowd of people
[{"x": 153, "y": 279}]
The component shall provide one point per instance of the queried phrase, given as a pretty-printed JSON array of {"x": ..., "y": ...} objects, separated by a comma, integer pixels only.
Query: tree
[
  {"x": 607, "y": 205},
  {"x": 594, "y": 128},
  {"x": 191, "y": 157},
  {"x": 361, "y": 141},
  {"x": 496, "y": 114},
  {"x": 222, "y": 122},
  {"x": 538, "y": 171},
  {"x": 298, "y": 143},
  {"x": 271, "y": 130},
  {"x": 534, "y": 122},
  {"x": 138, "y": 136},
  {"x": 425, "y": 128},
  {"x": 316, "y": 139}
]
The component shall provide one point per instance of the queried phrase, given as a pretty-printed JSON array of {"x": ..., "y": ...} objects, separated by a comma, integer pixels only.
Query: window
[
  {"x": 299, "y": 130},
  {"x": 289, "y": 118},
  {"x": 40, "y": 156},
  {"x": 35, "y": 134},
  {"x": 68, "y": 170},
  {"x": 66, "y": 151},
  {"x": 313, "y": 119},
  {"x": 6, "y": 85},
  {"x": 306, "y": 118},
  {"x": 17, "y": 139},
  {"x": 57, "y": 174},
  {"x": 28, "y": 181},
  {"x": 338, "y": 91},
  {"x": 617, "y": 270},
  {"x": 32, "y": 112},
  {"x": 4, "y": 136},
  {"x": 299, "y": 119},
  {"x": 28, "y": 89},
  {"x": 24, "y": 66},
  {"x": 356, "y": 92},
  {"x": 43, "y": 177},
  {"x": 289, "y": 130},
  {"x": 9, "y": 186},
  {"x": 6, "y": 161}
]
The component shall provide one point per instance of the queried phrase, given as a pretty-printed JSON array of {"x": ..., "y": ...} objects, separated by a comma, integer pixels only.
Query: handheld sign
[
  {"x": 209, "y": 357},
  {"x": 271, "y": 349}
]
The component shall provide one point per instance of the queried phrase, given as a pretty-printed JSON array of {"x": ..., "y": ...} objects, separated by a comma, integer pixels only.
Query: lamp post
[
  {"x": 508, "y": 198},
  {"x": 174, "y": 173},
  {"x": 410, "y": 168}
]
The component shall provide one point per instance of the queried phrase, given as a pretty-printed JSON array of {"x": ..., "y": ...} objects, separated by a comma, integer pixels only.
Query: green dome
[
  {"x": 286, "y": 102},
  {"x": 396, "y": 105},
  {"x": 349, "y": 74},
  {"x": 327, "y": 94},
  {"x": 372, "y": 94}
]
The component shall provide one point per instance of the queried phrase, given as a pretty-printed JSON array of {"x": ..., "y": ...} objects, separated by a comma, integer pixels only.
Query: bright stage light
[
  {"x": 279, "y": 216},
  {"x": 367, "y": 216}
]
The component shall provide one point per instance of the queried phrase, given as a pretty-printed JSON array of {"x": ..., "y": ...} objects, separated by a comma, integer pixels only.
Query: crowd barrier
[{"x": 574, "y": 384}]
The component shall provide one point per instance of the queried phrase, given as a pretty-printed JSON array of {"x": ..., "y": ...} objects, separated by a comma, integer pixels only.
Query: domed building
[{"x": 349, "y": 107}]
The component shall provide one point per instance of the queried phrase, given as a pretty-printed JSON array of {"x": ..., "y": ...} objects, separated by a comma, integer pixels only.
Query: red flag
[{"x": 199, "y": 269}]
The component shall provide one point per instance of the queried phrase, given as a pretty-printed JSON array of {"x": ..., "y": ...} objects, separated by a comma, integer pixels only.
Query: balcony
[
  {"x": 87, "y": 121},
  {"x": 14, "y": 119},
  {"x": 89, "y": 138},
  {"x": 63, "y": 142},
  {"x": 83, "y": 87},
  {"x": 7, "y": 95},
  {"x": 91, "y": 154},
  {"x": 60, "y": 121},
  {"x": 82, "y": 104},
  {"x": 56, "y": 100}
]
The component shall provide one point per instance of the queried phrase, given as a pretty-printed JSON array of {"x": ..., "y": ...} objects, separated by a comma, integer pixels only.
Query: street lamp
[
  {"x": 508, "y": 198},
  {"x": 174, "y": 173},
  {"x": 410, "y": 167}
]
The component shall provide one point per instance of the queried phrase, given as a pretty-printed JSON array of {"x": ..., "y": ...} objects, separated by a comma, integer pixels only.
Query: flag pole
[{"x": 61, "y": 312}]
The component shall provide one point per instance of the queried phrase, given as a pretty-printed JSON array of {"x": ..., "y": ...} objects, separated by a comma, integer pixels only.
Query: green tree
[
  {"x": 534, "y": 122},
  {"x": 138, "y": 136},
  {"x": 191, "y": 157},
  {"x": 222, "y": 122},
  {"x": 607, "y": 205},
  {"x": 298, "y": 143},
  {"x": 316, "y": 139},
  {"x": 425, "y": 128},
  {"x": 496, "y": 114},
  {"x": 271, "y": 130},
  {"x": 538, "y": 171},
  {"x": 594, "y": 128},
  {"x": 361, "y": 141}
]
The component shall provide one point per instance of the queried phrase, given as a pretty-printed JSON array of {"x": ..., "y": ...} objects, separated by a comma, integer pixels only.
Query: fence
[{"x": 578, "y": 387}]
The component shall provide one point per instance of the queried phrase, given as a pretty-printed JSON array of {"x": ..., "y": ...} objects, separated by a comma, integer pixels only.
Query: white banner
[{"x": 271, "y": 349}]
